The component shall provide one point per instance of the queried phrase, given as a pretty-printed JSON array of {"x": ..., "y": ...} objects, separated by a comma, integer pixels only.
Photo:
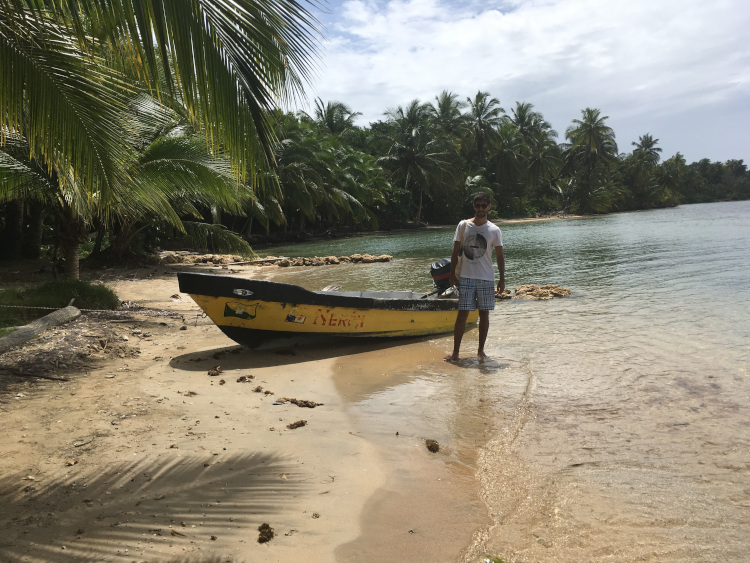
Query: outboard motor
[{"x": 441, "y": 274}]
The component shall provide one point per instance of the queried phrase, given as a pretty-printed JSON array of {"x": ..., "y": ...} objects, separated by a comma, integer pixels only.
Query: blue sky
[{"x": 676, "y": 69}]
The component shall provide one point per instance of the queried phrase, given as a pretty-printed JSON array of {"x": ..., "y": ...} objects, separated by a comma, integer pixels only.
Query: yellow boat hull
[{"x": 252, "y": 312}]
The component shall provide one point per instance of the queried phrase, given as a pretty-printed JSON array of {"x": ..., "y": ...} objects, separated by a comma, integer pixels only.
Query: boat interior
[{"x": 386, "y": 294}]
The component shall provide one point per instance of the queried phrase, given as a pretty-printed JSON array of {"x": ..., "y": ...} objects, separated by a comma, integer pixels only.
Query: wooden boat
[{"x": 253, "y": 312}]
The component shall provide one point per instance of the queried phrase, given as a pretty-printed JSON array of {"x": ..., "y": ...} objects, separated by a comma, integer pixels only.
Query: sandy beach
[
  {"x": 153, "y": 437},
  {"x": 610, "y": 426}
]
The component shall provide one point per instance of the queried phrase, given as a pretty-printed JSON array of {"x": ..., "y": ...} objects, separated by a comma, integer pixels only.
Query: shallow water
[{"x": 610, "y": 426}]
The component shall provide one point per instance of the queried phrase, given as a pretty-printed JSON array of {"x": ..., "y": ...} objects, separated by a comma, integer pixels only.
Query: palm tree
[
  {"x": 180, "y": 179},
  {"x": 229, "y": 61},
  {"x": 530, "y": 122},
  {"x": 363, "y": 180},
  {"x": 651, "y": 185},
  {"x": 540, "y": 154},
  {"x": 543, "y": 162},
  {"x": 335, "y": 117},
  {"x": 647, "y": 145},
  {"x": 591, "y": 139},
  {"x": 171, "y": 175},
  {"x": 485, "y": 116},
  {"x": 303, "y": 167},
  {"x": 416, "y": 156},
  {"x": 505, "y": 168},
  {"x": 69, "y": 69},
  {"x": 592, "y": 150},
  {"x": 322, "y": 179},
  {"x": 447, "y": 114}
]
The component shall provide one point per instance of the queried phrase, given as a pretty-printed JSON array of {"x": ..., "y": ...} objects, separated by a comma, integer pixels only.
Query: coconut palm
[
  {"x": 322, "y": 179},
  {"x": 651, "y": 184},
  {"x": 647, "y": 145},
  {"x": 485, "y": 116},
  {"x": 364, "y": 180},
  {"x": 182, "y": 180},
  {"x": 591, "y": 140},
  {"x": 505, "y": 168},
  {"x": 417, "y": 157},
  {"x": 334, "y": 117},
  {"x": 229, "y": 61},
  {"x": 530, "y": 122},
  {"x": 171, "y": 177},
  {"x": 68, "y": 70},
  {"x": 589, "y": 156},
  {"x": 539, "y": 154},
  {"x": 447, "y": 114},
  {"x": 543, "y": 162}
]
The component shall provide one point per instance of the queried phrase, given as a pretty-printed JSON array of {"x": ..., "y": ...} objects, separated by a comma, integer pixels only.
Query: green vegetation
[
  {"x": 125, "y": 116},
  {"x": 111, "y": 144},
  {"x": 19, "y": 306}
]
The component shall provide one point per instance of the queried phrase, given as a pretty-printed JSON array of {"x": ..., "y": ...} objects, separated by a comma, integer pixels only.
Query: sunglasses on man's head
[{"x": 481, "y": 205}]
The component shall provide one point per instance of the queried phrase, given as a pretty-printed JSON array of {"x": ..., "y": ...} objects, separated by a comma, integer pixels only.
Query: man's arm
[
  {"x": 454, "y": 262},
  {"x": 500, "y": 268}
]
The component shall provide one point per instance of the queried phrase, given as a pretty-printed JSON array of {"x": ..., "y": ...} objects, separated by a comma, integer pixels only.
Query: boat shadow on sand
[
  {"x": 240, "y": 357},
  {"x": 323, "y": 348}
]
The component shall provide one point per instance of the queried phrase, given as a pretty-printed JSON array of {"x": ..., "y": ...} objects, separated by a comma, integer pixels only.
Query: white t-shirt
[{"x": 478, "y": 246}]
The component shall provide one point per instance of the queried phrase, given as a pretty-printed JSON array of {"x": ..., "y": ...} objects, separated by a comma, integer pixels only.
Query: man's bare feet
[
  {"x": 482, "y": 356},
  {"x": 451, "y": 358}
]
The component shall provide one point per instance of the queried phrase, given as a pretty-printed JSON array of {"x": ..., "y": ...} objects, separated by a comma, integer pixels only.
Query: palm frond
[
  {"x": 203, "y": 236},
  {"x": 61, "y": 101}
]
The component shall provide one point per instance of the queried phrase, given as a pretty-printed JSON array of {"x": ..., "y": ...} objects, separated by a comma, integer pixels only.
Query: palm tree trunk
[
  {"x": 98, "y": 242},
  {"x": 419, "y": 207},
  {"x": 72, "y": 231},
  {"x": 32, "y": 239},
  {"x": 72, "y": 260},
  {"x": 13, "y": 232}
]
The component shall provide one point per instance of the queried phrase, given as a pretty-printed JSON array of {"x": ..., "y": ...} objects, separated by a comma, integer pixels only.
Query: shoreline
[
  {"x": 144, "y": 455},
  {"x": 346, "y": 235}
]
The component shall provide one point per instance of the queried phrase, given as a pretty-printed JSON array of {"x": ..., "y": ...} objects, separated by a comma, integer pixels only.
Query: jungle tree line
[
  {"x": 430, "y": 157},
  {"x": 122, "y": 142}
]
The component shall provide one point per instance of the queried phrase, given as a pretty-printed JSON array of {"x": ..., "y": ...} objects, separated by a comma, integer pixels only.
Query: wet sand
[{"x": 141, "y": 455}]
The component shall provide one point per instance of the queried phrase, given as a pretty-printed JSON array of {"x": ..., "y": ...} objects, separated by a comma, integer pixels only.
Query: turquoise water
[
  {"x": 613, "y": 425},
  {"x": 681, "y": 248},
  {"x": 688, "y": 264}
]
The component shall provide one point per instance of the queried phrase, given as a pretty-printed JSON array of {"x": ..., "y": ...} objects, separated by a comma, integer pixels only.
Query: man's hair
[{"x": 481, "y": 196}]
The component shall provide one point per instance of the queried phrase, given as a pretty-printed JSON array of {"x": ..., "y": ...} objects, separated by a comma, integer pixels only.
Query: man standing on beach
[{"x": 475, "y": 239}]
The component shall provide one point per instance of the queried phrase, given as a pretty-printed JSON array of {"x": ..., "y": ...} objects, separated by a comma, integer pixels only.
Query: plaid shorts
[{"x": 473, "y": 294}]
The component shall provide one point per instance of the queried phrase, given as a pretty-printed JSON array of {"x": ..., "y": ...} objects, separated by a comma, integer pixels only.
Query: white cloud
[{"x": 645, "y": 63}]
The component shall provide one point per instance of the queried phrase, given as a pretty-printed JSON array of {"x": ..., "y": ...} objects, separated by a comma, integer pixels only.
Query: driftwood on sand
[{"x": 29, "y": 331}]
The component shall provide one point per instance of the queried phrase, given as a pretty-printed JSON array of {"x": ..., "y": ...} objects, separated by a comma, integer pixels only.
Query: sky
[{"x": 678, "y": 70}]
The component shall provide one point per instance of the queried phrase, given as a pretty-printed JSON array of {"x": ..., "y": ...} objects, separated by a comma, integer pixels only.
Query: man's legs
[
  {"x": 458, "y": 334},
  {"x": 486, "y": 303},
  {"x": 484, "y": 328},
  {"x": 466, "y": 303}
]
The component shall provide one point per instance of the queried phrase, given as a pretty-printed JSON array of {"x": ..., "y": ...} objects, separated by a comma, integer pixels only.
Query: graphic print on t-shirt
[{"x": 475, "y": 246}]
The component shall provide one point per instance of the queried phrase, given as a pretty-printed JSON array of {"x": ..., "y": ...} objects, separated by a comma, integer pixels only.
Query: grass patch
[{"x": 52, "y": 295}]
